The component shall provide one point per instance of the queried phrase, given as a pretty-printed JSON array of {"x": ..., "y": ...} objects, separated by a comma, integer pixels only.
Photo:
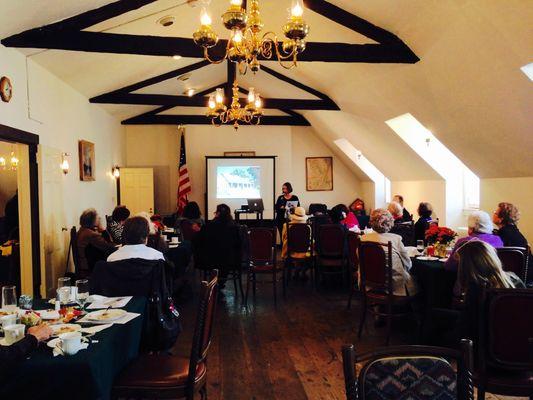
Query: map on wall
[{"x": 319, "y": 173}]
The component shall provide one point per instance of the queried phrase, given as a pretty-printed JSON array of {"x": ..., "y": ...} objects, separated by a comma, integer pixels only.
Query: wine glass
[
  {"x": 63, "y": 290},
  {"x": 9, "y": 298},
  {"x": 82, "y": 294},
  {"x": 420, "y": 246}
]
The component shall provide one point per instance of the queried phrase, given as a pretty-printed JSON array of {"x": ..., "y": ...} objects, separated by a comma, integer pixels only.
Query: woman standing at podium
[{"x": 281, "y": 205}]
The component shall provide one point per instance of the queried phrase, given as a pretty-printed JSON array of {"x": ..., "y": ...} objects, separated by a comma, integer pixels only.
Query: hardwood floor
[{"x": 291, "y": 352}]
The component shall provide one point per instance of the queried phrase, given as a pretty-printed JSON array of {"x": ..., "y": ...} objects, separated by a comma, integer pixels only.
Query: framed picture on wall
[
  {"x": 87, "y": 161},
  {"x": 239, "y": 154},
  {"x": 319, "y": 173}
]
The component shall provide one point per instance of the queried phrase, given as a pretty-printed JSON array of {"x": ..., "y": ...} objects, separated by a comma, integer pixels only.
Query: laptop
[{"x": 256, "y": 205}]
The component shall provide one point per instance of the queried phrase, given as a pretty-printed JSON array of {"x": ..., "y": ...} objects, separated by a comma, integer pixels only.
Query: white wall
[
  {"x": 518, "y": 191},
  {"x": 415, "y": 192},
  {"x": 158, "y": 146},
  {"x": 44, "y": 105}
]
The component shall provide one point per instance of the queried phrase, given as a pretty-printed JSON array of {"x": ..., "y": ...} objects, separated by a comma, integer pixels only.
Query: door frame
[{"x": 15, "y": 135}]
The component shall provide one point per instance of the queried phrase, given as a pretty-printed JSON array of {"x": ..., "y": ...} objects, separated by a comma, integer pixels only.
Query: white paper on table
[
  {"x": 125, "y": 319},
  {"x": 412, "y": 251},
  {"x": 104, "y": 302},
  {"x": 95, "y": 329}
]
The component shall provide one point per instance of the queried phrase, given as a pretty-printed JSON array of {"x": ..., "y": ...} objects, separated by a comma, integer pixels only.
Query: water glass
[
  {"x": 82, "y": 286},
  {"x": 63, "y": 295},
  {"x": 420, "y": 246},
  {"x": 9, "y": 298},
  {"x": 62, "y": 282}
]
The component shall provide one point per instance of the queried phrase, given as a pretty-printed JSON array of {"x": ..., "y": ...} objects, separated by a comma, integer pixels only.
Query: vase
[{"x": 440, "y": 250}]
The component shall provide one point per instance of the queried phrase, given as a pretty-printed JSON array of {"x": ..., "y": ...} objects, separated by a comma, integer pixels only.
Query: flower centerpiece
[{"x": 440, "y": 237}]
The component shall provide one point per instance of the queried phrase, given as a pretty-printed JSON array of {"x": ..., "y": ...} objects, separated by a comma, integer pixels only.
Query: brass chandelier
[
  {"x": 220, "y": 114},
  {"x": 246, "y": 42}
]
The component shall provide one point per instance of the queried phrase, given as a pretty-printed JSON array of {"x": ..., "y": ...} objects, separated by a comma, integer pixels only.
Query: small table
[
  {"x": 86, "y": 375},
  {"x": 238, "y": 213}
]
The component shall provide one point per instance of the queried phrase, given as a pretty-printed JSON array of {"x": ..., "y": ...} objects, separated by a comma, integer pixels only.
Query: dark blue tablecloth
[{"x": 86, "y": 375}]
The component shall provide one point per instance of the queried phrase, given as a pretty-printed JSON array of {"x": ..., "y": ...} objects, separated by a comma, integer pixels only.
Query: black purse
[{"x": 163, "y": 319}]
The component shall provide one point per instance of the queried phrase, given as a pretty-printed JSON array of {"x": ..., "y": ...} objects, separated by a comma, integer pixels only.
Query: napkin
[
  {"x": 58, "y": 352},
  {"x": 125, "y": 319},
  {"x": 95, "y": 329},
  {"x": 412, "y": 251},
  {"x": 104, "y": 302}
]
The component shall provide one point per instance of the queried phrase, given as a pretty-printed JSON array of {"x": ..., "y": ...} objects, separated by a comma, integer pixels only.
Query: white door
[{"x": 137, "y": 189}]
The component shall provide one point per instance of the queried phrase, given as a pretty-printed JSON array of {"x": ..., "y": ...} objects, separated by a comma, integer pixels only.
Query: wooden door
[{"x": 137, "y": 189}]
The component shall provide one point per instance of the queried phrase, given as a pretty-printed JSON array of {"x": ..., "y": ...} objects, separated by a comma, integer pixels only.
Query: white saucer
[{"x": 426, "y": 258}]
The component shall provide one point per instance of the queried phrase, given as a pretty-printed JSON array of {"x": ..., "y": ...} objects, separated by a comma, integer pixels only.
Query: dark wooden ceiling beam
[{"x": 202, "y": 120}]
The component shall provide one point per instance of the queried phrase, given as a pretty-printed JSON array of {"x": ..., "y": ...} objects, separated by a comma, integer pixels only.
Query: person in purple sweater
[{"x": 479, "y": 228}]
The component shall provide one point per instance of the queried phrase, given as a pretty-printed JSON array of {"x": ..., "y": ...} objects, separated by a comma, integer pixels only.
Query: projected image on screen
[{"x": 238, "y": 182}]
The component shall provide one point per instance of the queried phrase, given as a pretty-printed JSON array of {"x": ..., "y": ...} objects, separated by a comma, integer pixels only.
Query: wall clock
[{"x": 6, "y": 89}]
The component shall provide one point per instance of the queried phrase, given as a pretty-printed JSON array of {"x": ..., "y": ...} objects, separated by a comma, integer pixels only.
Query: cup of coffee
[
  {"x": 8, "y": 320},
  {"x": 175, "y": 240},
  {"x": 14, "y": 333},
  {"x": 71, "y": 342}
]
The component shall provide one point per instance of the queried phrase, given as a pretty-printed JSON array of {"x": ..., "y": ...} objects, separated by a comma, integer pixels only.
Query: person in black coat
[
  {"x": 505, "y": 217},
  {"x": 406, "y": 215},
  {"x": 425, "y": 210},
  {"x": 281, "y": 205}
]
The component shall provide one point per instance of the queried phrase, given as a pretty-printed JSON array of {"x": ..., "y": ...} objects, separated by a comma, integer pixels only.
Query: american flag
[{"x": 184, "y": 183}]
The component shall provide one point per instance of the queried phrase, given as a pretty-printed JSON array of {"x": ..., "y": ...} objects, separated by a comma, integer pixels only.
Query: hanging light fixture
[
  {"x": 14, "y": 161},
  {"x": 65, "y": 166},
  {"x": 246, "y": 43},
  {"x": 235, "y": 114}
]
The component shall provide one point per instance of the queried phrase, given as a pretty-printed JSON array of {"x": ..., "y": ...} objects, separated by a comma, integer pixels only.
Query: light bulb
[
  {"x": 190, "y": 92},
  {"x": 212, "y": 103},
  {"x": 116, "y": 172},
  {"x": 237, "y": 36},
  {"x": 236, "y": 3},
  {"x": 219, "y": 98},
  {"x": 297, "y": 10},
  {"x": 14, "y": 161},
  {"x": 205, "y": 19},
  {"x": 65, "y": 166},
  {"x": 258, "y": 101},
  {"x": 251, "y": 95},
  {"x": 2, "y": 162}
]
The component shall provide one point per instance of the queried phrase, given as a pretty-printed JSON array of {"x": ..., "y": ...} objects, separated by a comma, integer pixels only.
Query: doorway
[{"x": 19, "y": 211}]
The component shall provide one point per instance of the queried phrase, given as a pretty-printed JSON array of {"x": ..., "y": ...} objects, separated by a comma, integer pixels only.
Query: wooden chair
[
  {"x": 331, "y": 252},
  {"x": 165, "y": 376},
  {"x": 389, "y": 373},
  {"x": 299, "y": 241},
  {"x": 514, "y": 259},
  {"x": 353, "y": 263},
  {"x": 262, "y": 259},
  {"x": 375, "y": 268},
  {"x": 505, "y": 346},
  {"x": 407, "y": 231}
]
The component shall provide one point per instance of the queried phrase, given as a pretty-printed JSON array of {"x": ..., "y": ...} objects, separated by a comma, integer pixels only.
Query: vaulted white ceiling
[{"x": 467, "y": 89}]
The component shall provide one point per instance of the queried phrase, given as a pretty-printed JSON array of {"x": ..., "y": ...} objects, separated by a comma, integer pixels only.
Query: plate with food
[
  {"x": 64, "y": 328},
  {"x": 106, "y": 316},
  {"x": 30, "y": 318},
  {"x": 4, "y": 312}
]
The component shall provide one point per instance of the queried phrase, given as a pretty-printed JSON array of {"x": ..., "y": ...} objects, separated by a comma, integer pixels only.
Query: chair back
[
  {"x": 262, "y": 246},
  {"x": 298, "y": 238},
  {"x": 203, "y": 331},
  {"x": 375, "y": 266},
  {"x": 187, "y": 231},
  {"x": 317, "y": 208},
  {"x": 407, "y": 231},
  {"x": 353, "y": 250},
  {"x": 74, "y": 247},
  {"x": 514, "y": 259},
  {"x": 506, "y": 329},
  {"x": 330, "y": 240},
  {"x": 434, "y": 377}
]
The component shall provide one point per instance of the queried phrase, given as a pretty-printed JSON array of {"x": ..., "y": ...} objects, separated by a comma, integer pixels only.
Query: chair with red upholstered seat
[
  {"x": 164, "y": 376},
  {"x": 331, "y": 252},
  {"x": 505, "y": 344},
  {"x": 263, "y": 259},
  {"x": 514, "y": 259},
  {"x": 299, "y": 248},
  {"x": 376, "y": 285}
]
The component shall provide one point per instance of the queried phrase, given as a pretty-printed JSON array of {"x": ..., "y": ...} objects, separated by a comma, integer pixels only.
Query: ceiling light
[
  {"x": 166, "y": 21},
  {"x": 528, "y": 70},
  {"x": 190, "y": 92},
  {"x": 176, "y": 57}
]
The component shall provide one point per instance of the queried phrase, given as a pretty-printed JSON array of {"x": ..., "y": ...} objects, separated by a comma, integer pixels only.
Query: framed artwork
[
  {"x": 87, "y": 163},
  {"x": 319, "y": 173},
  {"x": 239, "y": 154}
]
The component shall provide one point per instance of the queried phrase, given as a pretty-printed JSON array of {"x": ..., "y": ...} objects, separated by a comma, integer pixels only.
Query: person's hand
[{"x": 41, "y": 332}]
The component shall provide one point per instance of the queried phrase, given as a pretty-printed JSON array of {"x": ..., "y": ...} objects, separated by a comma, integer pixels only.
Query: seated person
[
  {"x": 396, "y": 210},
  {"x": 90, "y": 240},
  {"x": 381, "y": 221},
  {"x": 298, "y": 216},
  {"x": 155, "y": 240},
  {"x": 114, "y": 227},
  {"x": 135, "y": 237},
  {"x": 17, "y": 352},
  {"x": 425, "y": 210},
  {"x": 505, "y": 218},
  {"x": 342, "y": 215},
  {"x": 479, "y": 228},
  {"x": 191, "y": 213},
  {"x": 406, "y": 215},
  {"x": 157, "y": 220}
]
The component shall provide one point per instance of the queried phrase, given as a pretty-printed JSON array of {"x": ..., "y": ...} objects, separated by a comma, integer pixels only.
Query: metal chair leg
[
  {"x": 240, "y": 286},
  {"x": 248, "y": 277}
]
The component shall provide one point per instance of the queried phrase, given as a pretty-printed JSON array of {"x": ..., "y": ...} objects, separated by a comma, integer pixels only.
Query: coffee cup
[
  {"x": 14, "y": 333},
  {"x": 71, "y": 342},
  {"x": 8, "y": 320},
  {"x": 175, "y": 240}
]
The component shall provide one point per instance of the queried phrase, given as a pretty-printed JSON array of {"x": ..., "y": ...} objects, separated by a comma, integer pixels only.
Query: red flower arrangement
[{"x": 443, "y": 235}]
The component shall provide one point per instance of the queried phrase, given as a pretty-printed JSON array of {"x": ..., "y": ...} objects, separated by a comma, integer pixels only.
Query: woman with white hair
[
  {"x": 479, "y": 228},
  {"x": 396, "y": 210},
  {"x": 381, "y": 221}
]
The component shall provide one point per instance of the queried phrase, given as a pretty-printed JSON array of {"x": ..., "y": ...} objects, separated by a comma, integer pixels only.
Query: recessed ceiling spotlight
[
  {"x": 166, "y": 21},
  {"x": 190, "y": 92},
  {"x": 176, "y": 57},
  {"x": 184, "y": 77}
]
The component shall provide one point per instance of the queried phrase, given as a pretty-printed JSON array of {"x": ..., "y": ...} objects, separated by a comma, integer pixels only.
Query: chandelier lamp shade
[{"x": 247, "y": 43}]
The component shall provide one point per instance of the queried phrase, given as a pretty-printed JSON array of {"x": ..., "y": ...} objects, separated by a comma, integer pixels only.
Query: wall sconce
[
  {"x": 2, "y": 163},
  {"x": 14, "y": 161},
  {"x": 65, "y": 166},
  {"x": 116, "y": 172}
]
